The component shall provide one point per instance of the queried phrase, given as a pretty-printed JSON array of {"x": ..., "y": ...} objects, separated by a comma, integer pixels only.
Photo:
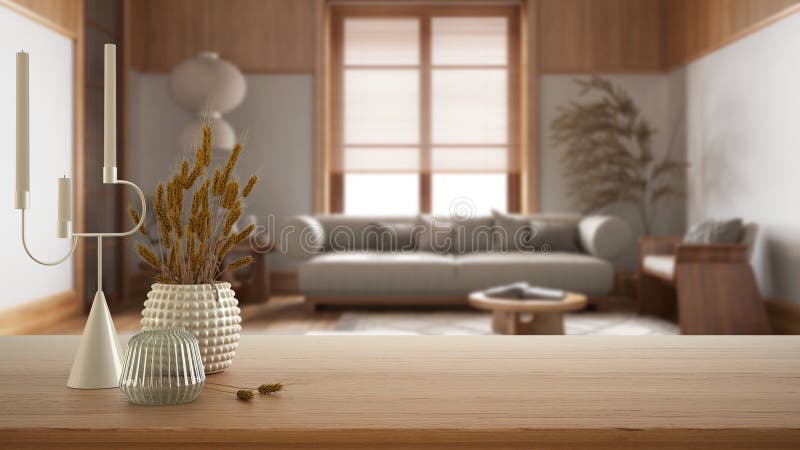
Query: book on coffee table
[{"x": 523, "y": 291}]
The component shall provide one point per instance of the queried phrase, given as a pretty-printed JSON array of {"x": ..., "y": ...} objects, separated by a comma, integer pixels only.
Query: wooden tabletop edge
[{"x": 395, "y": 435}]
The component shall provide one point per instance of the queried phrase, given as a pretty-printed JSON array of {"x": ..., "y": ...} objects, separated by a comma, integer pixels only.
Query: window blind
[{"x": 425, "y": 94}]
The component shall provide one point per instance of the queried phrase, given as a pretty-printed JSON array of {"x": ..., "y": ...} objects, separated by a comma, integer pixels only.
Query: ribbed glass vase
[{"x": 162, "y": 366}]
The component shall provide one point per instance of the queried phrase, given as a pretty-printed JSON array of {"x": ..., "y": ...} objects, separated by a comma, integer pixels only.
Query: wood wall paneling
[
  {"x": 321, "y": 109},
  {"x": 106, "y": 205},
  {"x": 124, "y": 94},
  {"x": 261, "y": 36},
  {"x": 105, "y": 15},
  {"x": 610, "y": 36},
  {"x": 166, "y": 32},
  {"x": 62, "y": 16},
  {"x": 578, "y": 36},
  {"x": 694, "y": 28},
  {"x": 280, "y": 34},
  {"x": 79, "y": 159},
  {"x": 529, "y": 107}
]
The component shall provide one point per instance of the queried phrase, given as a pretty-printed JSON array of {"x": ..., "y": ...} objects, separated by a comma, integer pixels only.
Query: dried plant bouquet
[
  {"x": 195, "y": 212},
  {"x": 608, "y": 153}
]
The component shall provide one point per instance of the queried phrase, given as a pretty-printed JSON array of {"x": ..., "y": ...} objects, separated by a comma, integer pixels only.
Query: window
[
  {"x": 425, "y": 106},
  {"x": 395, "y": 193}
]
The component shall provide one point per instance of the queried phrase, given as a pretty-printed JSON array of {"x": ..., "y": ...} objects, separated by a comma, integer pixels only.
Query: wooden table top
[
  {"x": 432, "y": 392},
  {"x": 572, "y": 301}
]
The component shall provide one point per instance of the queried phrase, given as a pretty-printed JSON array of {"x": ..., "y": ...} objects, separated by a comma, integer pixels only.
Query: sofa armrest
[
  {"x": 604, "y": 236},
  {"x": 711, "y": 253},
  {"x": 305, "y": 238},
  {"x": 658, "y": 245}
]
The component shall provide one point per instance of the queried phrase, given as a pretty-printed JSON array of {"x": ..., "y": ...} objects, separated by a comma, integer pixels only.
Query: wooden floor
[{"x": 281, "y": 314}]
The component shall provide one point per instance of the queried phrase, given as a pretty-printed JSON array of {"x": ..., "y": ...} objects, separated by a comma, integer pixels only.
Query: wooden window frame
[{"x": 517, "y": 130}]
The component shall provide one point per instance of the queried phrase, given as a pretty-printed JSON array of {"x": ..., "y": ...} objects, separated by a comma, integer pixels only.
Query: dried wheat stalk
[{"x": 193, "y": 237}]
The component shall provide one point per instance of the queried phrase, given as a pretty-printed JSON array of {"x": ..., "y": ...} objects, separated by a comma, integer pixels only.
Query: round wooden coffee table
[{"x": 509, "y": 315}]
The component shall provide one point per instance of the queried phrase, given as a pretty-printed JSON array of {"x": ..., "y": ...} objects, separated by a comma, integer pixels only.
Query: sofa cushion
[
  {"x": 514, "y": 232},
  {"x": 556, "y": 236},
  {"x": 355, "y": 233},
  {"x": 372, "y": 273},
  {"x": 569, "y": 271},
  {"x": 475, "y": 234},
  {"x": 396, "y": 236},
  {"x": 305, "y": 237},
  {"x": 604, "y": 236},
  {"x": 436, "y": 235},
  {"x": 715, "y": 232}
]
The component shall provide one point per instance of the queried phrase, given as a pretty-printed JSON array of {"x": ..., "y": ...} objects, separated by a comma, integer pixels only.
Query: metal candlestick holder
[{"x": 98, "y": 363}]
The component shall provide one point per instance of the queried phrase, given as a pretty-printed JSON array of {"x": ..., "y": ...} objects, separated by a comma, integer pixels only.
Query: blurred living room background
[{"x": 369, "y": 113}]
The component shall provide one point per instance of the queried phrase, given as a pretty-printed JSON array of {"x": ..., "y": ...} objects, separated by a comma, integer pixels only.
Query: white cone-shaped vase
[{"x": 98, "y": 363}]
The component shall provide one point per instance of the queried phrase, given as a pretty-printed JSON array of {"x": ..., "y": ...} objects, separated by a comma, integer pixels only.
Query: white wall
[
  {"x": 655, "y": 97},
  {"x": 743, "y": 138},
  {"x": 275, "y": 121},
  {"x": 51, "y": 142}
]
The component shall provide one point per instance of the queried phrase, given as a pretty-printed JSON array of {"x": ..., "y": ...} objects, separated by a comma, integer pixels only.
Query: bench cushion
[{"x": 662, "y": 265}]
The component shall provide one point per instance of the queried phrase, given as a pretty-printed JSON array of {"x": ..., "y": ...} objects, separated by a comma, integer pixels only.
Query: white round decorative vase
[{"x": 208, "y": 311}]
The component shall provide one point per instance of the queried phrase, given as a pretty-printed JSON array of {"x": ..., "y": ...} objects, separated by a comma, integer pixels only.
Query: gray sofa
[{"x": 372, "y": 260}]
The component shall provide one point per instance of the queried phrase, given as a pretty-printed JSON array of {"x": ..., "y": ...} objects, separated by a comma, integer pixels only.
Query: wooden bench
[{"x": 711, "y": 288}]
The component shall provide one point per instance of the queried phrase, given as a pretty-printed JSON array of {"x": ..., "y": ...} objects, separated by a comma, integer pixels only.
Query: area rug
[{"x": 478, "y": 323}]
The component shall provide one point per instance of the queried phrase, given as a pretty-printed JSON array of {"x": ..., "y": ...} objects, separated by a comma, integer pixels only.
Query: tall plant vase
[{"x": 209, "y": 312}]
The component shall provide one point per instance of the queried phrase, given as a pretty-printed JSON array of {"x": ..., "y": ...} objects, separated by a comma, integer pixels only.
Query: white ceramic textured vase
[{"x": 209, "y": 312}]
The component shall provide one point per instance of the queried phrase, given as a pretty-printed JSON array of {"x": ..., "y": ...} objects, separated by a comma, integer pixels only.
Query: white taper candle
[
  {"x": 64, "y": 207},
  {"x": 23, "y": 186},
  {"x": 110, "y": 117}
]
